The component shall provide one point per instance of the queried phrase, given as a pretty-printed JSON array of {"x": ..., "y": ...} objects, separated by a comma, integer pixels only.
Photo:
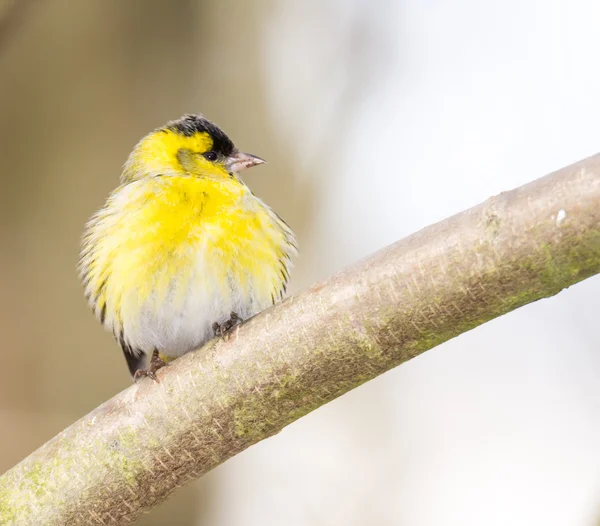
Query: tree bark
[{"x": 133, "y": 451}]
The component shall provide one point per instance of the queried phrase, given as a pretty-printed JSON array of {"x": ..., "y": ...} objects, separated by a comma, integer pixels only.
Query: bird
[{"x": 182, "y": 250}]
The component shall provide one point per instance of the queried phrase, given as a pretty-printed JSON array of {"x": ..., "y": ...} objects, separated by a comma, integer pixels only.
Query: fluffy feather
[{"x": 173, "y": 252}]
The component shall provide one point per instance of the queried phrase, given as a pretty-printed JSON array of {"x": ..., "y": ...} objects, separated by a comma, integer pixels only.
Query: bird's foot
[
  {"x": 224, "y": 329},
  {"x": 156, "y": 363}
]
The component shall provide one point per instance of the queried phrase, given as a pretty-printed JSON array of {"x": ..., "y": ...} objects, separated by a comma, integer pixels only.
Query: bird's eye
[{"x": 210, "y": 156}]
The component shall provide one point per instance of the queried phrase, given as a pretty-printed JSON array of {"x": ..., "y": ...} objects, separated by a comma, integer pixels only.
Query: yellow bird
[{"x": 182, "y": 249}]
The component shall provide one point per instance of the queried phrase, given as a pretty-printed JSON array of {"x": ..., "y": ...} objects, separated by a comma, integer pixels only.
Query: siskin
[{"x": 182, "y": 250}]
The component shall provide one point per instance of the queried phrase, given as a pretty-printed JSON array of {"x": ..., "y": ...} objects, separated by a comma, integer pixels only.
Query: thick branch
[{"x": 134, "y": 450}]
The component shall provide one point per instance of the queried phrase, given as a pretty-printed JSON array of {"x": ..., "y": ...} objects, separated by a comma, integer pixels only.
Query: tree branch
[{"x": 136, "y": 449}]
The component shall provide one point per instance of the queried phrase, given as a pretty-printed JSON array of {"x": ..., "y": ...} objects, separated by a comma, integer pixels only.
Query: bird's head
[{"x": 191, "y": 145}]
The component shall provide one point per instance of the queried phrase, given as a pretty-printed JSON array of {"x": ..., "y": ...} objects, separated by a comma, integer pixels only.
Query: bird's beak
[{"x": 239, "y": 161}]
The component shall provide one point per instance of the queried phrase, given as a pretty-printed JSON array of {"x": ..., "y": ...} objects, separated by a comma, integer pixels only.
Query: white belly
[{"x": 184, "y": 319}]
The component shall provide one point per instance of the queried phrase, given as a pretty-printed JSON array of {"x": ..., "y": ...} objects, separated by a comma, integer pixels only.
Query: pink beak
[{"x": 239, "y": 161}]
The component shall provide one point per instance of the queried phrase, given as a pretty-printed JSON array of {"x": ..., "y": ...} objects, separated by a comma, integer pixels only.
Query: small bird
[{"x": 182, "y": 250}]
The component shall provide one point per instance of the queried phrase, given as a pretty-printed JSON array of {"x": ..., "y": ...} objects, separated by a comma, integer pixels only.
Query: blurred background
[{"x": 377, "y": 118}]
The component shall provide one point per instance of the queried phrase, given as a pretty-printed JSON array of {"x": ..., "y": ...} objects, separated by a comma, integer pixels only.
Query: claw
[
  {"x": 223, "y": 330},
  {"x": 156, "y": 363}
]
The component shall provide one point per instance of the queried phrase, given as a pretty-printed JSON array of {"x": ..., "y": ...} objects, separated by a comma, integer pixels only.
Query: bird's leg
[
  {"x": 224, "y": 329},
  {"x": 156, "y": 363}
]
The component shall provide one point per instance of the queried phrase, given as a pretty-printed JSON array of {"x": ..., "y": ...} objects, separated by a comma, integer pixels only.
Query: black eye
[{"x": 210, "y": 156}]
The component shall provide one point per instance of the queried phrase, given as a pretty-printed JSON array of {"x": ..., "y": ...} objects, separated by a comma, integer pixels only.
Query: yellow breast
[{"x": 165, "y": 248}]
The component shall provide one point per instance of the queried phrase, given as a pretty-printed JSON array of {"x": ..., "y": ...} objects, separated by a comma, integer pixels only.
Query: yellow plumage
[{"x": 182, "y": 243}]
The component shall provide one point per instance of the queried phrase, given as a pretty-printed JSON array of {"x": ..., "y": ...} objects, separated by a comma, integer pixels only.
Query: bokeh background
[{"x": 377, "y": 118}]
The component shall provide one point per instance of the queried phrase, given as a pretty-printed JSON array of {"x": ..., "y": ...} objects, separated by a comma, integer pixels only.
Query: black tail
[{"x": 134, "y": 362}]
